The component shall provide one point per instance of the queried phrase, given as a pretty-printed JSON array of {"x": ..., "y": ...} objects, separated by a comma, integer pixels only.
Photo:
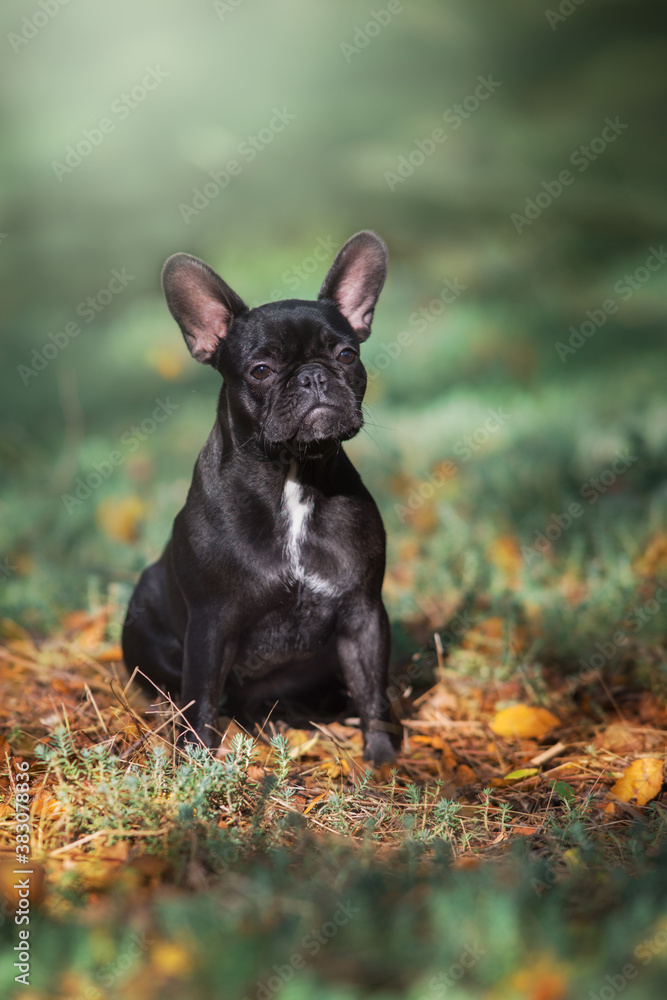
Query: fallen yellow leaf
[
  {"x": 572, "y": 859},
  {"x": 171, "y": 959},
  {"x": 640, "y": 782},
  {"x": 120, "y": 517},
  {"x": 523, "y": 772},
  {"x": 523, "y": 722}
]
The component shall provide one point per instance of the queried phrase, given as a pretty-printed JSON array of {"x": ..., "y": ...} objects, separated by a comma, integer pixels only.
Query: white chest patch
[{"x": 297, "y": 512}]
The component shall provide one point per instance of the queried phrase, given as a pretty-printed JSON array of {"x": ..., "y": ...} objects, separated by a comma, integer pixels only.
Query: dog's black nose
[{"x": 312, "y": 377}]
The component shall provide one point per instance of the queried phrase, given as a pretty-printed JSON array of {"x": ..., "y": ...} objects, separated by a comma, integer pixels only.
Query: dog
[{"x": 270, "y": 585}]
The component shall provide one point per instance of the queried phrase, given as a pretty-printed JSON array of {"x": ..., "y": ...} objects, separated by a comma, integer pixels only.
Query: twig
[
  {"x": 104, "y": 833},
  {"x": 542, "y": 758}
]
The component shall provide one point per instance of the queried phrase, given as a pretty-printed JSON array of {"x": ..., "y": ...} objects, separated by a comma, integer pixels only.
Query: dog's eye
[
  {"x": 260, "y": 372},
  {"x": 347, "y": 356}
]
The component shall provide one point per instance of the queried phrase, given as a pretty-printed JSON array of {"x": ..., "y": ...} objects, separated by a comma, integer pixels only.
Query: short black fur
[{"x": 270, "y": 586}]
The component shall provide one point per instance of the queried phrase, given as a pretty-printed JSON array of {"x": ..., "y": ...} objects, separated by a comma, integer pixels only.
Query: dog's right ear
[
  {"x": 355, "y": 280},
  {"x": 202, "y": 304}
]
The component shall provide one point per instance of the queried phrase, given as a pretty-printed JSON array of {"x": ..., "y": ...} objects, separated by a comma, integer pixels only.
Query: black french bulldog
[{"x": 270, "y": 584}]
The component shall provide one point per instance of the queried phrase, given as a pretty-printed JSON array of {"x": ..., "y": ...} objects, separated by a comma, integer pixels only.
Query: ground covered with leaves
[
  {"x": 516, "y": 849},
  {"x": 516, "y": 444}
]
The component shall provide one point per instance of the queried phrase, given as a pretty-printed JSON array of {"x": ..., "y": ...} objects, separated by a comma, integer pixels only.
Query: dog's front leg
[
  {"x": 207, "y": 659},
  {"x": 363, "y": 650}
]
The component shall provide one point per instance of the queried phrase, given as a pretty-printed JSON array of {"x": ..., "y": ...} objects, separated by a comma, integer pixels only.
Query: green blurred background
[{"x": 362, "y": 88}]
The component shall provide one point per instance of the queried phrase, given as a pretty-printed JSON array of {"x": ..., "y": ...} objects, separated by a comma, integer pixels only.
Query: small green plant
[{"x": 282, "y": 753}]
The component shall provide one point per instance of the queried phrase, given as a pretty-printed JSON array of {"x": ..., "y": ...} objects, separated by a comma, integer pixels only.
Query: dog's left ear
[
  {"x": 355, "y": 280},
  {"x": 203, "y": 305}
]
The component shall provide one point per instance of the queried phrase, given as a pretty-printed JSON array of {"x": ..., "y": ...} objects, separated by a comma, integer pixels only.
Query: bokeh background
[
  {"x": 515, "y": 440},
  {"x": 503, "y": 266}
]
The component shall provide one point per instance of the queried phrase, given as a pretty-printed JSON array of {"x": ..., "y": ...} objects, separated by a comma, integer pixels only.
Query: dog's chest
[{"x": 301, "y": 565}]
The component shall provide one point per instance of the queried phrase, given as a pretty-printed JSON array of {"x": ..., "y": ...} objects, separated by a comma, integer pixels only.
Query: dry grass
[{"x": 455, "y": 780}]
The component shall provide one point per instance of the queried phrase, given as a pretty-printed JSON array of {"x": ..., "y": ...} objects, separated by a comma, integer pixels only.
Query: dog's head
[{"x": 292, "y": 368}]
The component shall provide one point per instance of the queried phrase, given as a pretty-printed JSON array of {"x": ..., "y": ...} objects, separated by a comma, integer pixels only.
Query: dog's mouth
[
  {"x": 323, "y": 417},
  {"x": 322, "y": 426},
  {"x": 325, "y": 421},
  {"x": 321, "y": 409}
]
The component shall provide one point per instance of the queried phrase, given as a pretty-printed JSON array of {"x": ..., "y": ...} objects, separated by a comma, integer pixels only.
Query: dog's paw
[{"x": 378, "y": 749}]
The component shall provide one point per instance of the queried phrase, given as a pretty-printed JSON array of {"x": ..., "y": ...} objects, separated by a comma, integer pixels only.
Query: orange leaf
[
  {"x": 109, "y": 655},
  {"x": 92, "y": 635},
  {"x": 9, "y": 887},
  {"x": 465, "y": 862},
  {"x": 464, "y": 775},
  {"x": 523, "y": 722},
  {"x": 47, "y": 805},
  {"x": 640, "y": 782},
  {"x": 620, "y": 738},
  {"x": 76, "y": 620},
  {"x": 313, "y": 802},
  {"x": 544, "y": 979},
  {"x": 490, "y": 636}
]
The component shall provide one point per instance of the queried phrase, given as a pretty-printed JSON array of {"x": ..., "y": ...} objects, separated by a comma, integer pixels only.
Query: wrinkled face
[
  {"x": 292, "y": 368},
  {"x": 294, "y": 374}
]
